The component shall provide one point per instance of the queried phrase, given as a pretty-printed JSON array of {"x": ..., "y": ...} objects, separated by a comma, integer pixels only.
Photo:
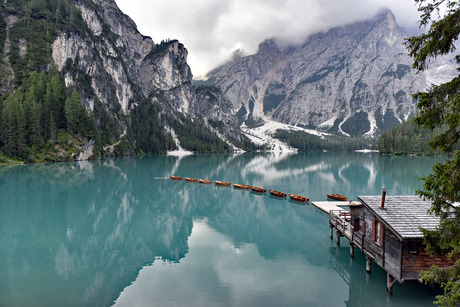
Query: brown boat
[
  {"x": 277, "y": 193},
  {"x": 224, "y": 183},
  {"x": 190, "y": 179},
  {"x": 176, "y": 178},
  {"x": 206, "y": 181},
  {"x": 298, "y": 198},
  {"x": 337, "y": 197},
  {"x": 241, "y": 186},
  {"x": 258, "y": 190}
]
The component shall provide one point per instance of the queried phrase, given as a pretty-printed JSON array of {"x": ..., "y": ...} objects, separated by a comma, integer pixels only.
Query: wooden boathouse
[{"x": 387, "y": 231}]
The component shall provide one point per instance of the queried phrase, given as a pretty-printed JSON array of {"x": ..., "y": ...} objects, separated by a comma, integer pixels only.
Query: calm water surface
[{"x": 120, "y": 232}]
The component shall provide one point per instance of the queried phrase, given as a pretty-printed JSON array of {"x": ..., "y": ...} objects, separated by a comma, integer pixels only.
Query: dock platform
[{"x": 328, "y": 206}]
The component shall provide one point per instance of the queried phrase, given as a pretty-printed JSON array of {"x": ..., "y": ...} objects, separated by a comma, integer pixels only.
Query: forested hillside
[
  {"x": 55, "y": 111},
  {"x": 37, "y": 110},
  {"x": 406, "y": 139}
]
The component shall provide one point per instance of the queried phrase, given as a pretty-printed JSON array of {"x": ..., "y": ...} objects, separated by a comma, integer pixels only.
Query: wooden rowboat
[
  {"x": 190, "y": 179},
  {"x": 337, "y": 197},
  {"x": 224, "y": 183},
  {"x": 176, "y": 178},
  {"x": 258, "y": 190},
  {"x": 206, "y": 181},
  {"x": 298, "y": 198},
  {"x": 277, "y": 193},
  {"x": 241, "y": 186}
]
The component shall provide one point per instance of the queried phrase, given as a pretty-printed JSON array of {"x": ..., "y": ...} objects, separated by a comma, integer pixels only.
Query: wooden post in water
[
  {"x": 330, "y": 225},
  {"x": 352, "y": 250},
  {"x": 390, "y": 283},
  {"x": 337, "y": 233},
  {"x": 368, "y": 264}
]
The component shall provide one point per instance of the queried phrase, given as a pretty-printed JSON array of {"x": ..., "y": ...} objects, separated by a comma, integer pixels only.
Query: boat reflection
[{"x": 88, "y": 228}]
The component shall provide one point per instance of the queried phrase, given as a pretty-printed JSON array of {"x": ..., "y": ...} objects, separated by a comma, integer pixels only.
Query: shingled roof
[{"x": 403, "y": 214}]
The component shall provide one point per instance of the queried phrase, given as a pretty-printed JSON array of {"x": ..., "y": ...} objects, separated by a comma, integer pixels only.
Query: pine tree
[
  {"x": 440, "y": 107},
  {"x": 74, "y": 113}
]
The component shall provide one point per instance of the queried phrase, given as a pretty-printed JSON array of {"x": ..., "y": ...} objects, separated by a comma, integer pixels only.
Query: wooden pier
[{"x": 328, "y": 206}]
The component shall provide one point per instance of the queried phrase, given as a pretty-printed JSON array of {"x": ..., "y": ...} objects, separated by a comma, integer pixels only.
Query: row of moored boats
[{"x": 246, "y": 187}]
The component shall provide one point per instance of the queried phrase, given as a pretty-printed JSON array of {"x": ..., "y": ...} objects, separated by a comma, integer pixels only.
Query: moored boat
[
  {"x": 277, "y": 193},
  {"x": 176, "y": 178},
  {"x": 190, "y": 179},
  {"x": 298, "y": 198},
  {"x": 224, "y": 183},
  {"x": 206, "y": 181},
  {"x": 258, "y": 190},
  {"x": 241, "y": 186},
  {"x": 337, "y": 197}
]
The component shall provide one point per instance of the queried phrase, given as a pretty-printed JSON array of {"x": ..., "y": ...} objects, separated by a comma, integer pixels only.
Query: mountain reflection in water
[{"x": 92, "y": 233}]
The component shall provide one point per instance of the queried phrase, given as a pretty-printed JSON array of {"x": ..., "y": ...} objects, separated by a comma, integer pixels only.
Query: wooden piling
[
  {"x": 389, "y": 286},
  {"x": 352, "y": 250},
  {"x": 390, "y": 282},
  {"x": 368, "y": 264},
  {"x": 338, "y": 237}
]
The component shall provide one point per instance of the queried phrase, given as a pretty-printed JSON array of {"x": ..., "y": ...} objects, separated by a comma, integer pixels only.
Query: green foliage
[
  {"x": 159, "y": 49},
  {"x": 357, "y": 124},
  {"x": 147, "y": 131},
  {"x": 386, "y": 121},
  {"x": 406, "y": 139},
  {"x": 440, "y": 108},
  {"x": 307, "y": 142},
  {"x": 36, "y": 107},
  {"x": 194, "y": 138},
  {"x": 449, "y": 282},
  {"x": 31, "y": 37},
  {"x": 33, "y": 116}
]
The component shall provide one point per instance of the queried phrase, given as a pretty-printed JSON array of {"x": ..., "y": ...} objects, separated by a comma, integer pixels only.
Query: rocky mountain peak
[
  {"x": 268, "y": 46},
  {"x": 386, "y": 16},
  {"x": 354, "y": 80}
]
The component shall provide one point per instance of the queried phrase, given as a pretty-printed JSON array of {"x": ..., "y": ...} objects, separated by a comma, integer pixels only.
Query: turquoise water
[{"x": 120, "y": 232}]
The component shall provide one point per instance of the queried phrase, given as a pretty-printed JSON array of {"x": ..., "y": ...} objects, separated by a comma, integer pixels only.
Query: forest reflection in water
[{"x": 81, "y": 233}]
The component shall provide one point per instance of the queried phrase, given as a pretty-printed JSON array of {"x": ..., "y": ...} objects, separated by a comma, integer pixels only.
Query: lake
[{"x": 120, "y": 232}]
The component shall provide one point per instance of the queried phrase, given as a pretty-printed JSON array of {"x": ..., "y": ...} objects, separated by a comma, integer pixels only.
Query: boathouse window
[
  {"x": 377, "y": 232},
  {"x": 413, "y": 247},
  {"x": 356, "y": 224}
]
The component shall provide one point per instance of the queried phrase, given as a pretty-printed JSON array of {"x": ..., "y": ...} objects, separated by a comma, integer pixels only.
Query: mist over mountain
[
  {"x": 353, "y": 80},
  {"x": 79, "y": 81}
]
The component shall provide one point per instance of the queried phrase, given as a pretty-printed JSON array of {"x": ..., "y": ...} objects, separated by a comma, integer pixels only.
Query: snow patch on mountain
[{"x": 263, "y": 135}]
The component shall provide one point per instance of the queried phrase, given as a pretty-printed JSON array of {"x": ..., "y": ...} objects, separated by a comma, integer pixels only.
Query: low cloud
[{"x": 212, "y": 29}]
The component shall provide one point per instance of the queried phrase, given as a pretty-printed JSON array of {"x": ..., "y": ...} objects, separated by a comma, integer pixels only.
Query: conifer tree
[
  {"x": 440, "y": 107},
  {"x": 74, "y": 113}
]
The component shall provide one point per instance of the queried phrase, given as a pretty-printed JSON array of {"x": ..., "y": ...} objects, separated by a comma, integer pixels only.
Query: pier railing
[{"x": 341, "y": 220}]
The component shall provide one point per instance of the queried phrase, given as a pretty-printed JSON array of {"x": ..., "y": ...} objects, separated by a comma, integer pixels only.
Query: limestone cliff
[{"x": 355, "y": 80}]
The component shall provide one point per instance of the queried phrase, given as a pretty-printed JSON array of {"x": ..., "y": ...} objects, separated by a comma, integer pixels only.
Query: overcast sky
[{"x": 212, "y": 29}]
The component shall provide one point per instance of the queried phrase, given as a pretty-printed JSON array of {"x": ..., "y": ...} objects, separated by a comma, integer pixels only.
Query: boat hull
[
  {"x": 337, "y": 197},
  {"x": 242, "y": 186},
  {"x": 278, "y": 194},
  {"x": 258, "y": 190},
  {"x": 298, "y": 198}
]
